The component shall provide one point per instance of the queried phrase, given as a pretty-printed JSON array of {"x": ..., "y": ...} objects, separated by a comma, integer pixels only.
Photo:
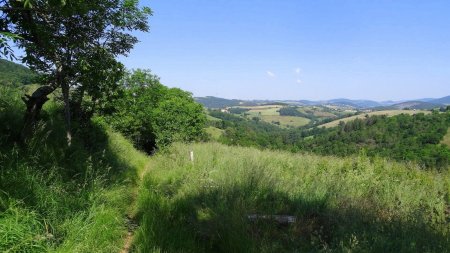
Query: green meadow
[
  {"x": 353, "y": 204},
  {"x": 270, "y": 114}
]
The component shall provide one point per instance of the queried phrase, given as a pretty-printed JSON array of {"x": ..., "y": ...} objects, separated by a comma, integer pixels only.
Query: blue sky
[{"x": 284, "y": 49}]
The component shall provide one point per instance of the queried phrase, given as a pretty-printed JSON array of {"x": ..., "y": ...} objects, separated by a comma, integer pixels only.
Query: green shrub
[{"x": 153, "y": 115}]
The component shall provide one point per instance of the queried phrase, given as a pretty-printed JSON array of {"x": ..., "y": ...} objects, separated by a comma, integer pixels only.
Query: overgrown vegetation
[
  {"x": 56, "y": 197},
  {"x": 403, "y": 137},
  {"x": 151, "y": 114},
  {"x": 352, "y": 204},
  {"x": 59, "y": 198}
]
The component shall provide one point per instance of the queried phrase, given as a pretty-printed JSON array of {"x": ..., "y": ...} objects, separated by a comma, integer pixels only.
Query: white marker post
[{"x": 191, "y": 156}]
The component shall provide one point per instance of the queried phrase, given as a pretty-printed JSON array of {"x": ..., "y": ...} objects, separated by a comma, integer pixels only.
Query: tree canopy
[
  {"x": 74, "y": 44},
  {"x": 151, "y": 114}
]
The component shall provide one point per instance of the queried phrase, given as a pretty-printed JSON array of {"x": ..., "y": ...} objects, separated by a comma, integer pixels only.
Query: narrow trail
[
  {"x": 128, "y": 241},
  {"x": 132, "y": 225}
]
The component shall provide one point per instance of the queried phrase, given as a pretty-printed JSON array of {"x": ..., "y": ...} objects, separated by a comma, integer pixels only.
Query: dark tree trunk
[
  {"x": 65, "y": 90},
  {"x": 34, "y": 105},
  {"x": 61, "y": 81},
  {"x": 77, "y": 100}
]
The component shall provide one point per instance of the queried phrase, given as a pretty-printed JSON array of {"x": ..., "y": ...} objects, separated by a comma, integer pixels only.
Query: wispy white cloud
[
  {"x": 298, "y": 74},
  {"x": 270, "y": 73}
]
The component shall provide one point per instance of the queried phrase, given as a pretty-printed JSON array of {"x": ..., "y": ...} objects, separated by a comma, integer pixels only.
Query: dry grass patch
[
  {"x": 446, "y": 139},
  {"x": 389, "y": 113},
  {"x": 286, "y": 121}
]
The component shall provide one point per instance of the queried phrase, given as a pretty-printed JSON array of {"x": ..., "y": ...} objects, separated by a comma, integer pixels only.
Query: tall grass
[
  {"x": 354, "y": 204},
  {"x": 55, "y": 198}
]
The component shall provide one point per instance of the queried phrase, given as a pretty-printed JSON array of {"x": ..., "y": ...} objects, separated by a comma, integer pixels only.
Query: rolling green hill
[
  {"x": 271, "y": 114},
  {"x": 290, "y": 116},
  {"x": 402, "y": 137},
  {"x": 15, "y": 74}
]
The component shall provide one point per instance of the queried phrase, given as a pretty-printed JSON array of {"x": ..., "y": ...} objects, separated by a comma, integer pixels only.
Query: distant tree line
[{"x": 238, "y": 110}]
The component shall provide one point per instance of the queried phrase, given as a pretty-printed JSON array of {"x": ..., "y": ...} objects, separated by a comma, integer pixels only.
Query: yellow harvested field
[
  {"x": 363, "y": 115},
  {"x": 446, "y": 139},
  {"x": 286, "y": 121},
  {"x": 261, "y": 107},
  {"x": 264, "y": 112}
]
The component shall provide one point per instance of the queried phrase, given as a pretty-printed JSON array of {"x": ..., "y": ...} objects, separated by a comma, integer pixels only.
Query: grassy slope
[
  {"x": 286, "y": 121},
  {"x": 270, "y": 114},
  {"x": 342, "y": 205},
  {"x": 446, "y": 139},
  {"x": 263, "y": 110},
  {"x": 360, "y": 116},
  {"x": 211, "y": 118},
  {"x": 60, "y": 199},
  {"x": 214, "y": 132},
  {"x": 116, "y": 203},
  {"x": 16, "y": 74}
]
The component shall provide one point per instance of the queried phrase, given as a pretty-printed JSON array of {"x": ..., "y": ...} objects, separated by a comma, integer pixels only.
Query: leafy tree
[
  {"x": 151, "y": 114},
  {"x": 63, "y": 40},
  {"x": 5, "y": 34},
  {"x": 178, "y": 118}
]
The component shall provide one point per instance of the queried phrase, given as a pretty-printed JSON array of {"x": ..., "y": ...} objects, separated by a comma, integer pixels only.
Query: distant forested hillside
[
  {"x": 15, "y": 74},
  {"x": 215, "y": 102},
  {"x": 243, "y": 132},
  {"x": 403, "y": 137},
  {"x": 443, "y": 100},
  {"x": 418, "y": 105}
]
